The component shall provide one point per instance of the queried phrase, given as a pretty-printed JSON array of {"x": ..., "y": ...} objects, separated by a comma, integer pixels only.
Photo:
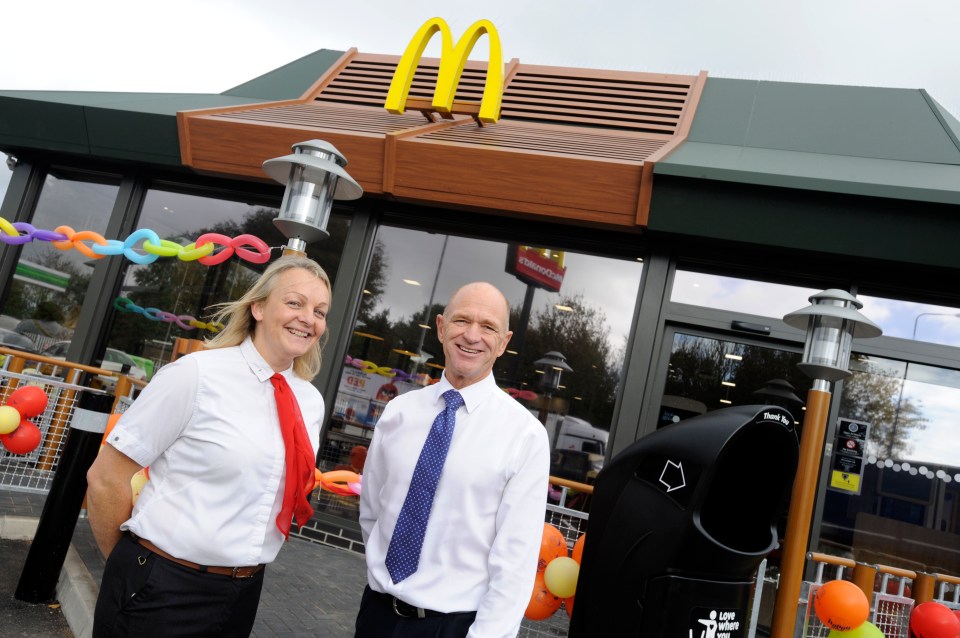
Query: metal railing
[{"x": 62, "y": 382}]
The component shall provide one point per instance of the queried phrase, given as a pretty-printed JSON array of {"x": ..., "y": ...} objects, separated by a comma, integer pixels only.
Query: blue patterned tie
[{"x": 403, "y": 555}]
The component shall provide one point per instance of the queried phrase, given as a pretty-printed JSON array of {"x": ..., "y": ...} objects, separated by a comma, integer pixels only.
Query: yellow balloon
[
  {"x": 137, "y": 482},
  {"x": 9, "y": 419},
  {"x": 560, "y": 576}
]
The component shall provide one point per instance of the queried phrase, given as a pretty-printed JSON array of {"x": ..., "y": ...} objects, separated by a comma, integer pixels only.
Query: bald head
[
  {"x": 473, "y": 331},
  {"x": 491, "y": 294}
]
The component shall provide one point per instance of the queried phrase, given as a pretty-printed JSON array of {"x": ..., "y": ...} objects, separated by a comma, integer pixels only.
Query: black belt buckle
[{"x": 405, "y": 610}]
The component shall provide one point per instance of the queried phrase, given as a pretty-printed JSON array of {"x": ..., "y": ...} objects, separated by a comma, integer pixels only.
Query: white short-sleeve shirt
[{"x": 207, "y": 427}]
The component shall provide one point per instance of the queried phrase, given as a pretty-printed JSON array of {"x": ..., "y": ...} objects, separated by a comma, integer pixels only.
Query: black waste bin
[{"x": 679, "y": 524}]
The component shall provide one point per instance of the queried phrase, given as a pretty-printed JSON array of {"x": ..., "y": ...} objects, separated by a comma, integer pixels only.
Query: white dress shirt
[
  {"x": 483, "y": 538},
  {"x": 207, "y": 426}
]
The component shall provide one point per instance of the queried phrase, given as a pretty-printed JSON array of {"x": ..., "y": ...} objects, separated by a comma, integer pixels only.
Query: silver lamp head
[
  {"x": 832, "y": 321},
  {"x": 314, "y": 176}
]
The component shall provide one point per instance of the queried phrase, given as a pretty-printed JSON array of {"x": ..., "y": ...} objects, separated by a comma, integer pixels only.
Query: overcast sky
[{"x": 208, "y": 46}]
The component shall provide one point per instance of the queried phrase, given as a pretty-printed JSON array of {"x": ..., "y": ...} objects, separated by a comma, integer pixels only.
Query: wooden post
[{"x": 802, "y": 498}]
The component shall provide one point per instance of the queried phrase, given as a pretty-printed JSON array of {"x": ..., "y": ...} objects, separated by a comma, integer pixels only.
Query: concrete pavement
[{"x": 310, "y": 590}]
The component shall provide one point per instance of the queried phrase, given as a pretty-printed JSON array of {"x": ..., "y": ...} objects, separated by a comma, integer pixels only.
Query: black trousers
[
  {"x": 145, "y": 596},
  {"x": 377, "y": 619}
]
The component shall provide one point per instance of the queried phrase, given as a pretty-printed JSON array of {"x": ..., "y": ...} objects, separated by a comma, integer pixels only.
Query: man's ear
[
  {"x": 506, "y": 340},
  {"x": 440, "y": 328}
]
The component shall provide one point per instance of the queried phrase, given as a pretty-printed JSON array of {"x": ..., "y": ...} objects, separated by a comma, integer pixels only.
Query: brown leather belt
[{"x": 232, "y": 572}]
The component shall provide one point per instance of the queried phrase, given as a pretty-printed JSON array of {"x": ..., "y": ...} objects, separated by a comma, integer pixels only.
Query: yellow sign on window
[{"x": 845, "y": 481}]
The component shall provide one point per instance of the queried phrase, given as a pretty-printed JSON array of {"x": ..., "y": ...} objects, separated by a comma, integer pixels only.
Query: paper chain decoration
[
  {"x": 202, "y": 250},
  {"x": 124, "y": 304}
]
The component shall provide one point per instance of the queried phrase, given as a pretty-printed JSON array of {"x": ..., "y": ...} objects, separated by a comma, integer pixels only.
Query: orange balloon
[
  {"x": 542, "y": 603},
  {"x": 552, "y": 545},
  {"x": 577, "y": 553},
  {"x": 568, "y": 605},
  {"x": 841, "y": 605}
]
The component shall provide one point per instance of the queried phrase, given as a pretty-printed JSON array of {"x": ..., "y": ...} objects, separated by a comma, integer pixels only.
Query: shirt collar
[
  {"x": 258, "y": 365},
  {"x": 473, "y": 395}
]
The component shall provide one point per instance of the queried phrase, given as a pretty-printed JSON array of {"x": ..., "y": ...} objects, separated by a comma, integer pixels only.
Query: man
[{"x": 473, "y": 572}]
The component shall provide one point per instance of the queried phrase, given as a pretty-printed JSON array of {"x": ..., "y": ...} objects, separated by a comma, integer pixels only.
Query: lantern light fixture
[
  {"x": 315, "y": 176},
  {"x": 832, "y": 321}
]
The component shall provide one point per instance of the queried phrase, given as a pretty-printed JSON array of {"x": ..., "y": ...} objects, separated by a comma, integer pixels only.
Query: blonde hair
[{"x": 239, "y": 323}]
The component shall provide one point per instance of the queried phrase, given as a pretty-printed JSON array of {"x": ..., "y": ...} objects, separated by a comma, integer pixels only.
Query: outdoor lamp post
[
  {"x": 314, "y": 176},
  {"x": 552, "y": 365},
  {"x": 832, "y": 321}
]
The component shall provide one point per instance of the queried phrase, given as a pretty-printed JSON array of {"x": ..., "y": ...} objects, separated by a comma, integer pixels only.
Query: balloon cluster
[
  {"x": 124, "y": 304},
  {"x": 17, "y": 433},
  {"x": 844, "y": 608},
  {"x": 202, "y": 250},
  {"x": 557, "y": 573}
]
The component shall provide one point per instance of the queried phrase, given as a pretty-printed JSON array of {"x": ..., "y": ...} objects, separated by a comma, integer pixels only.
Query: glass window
[
  {"x": 188, "y": 289},
  {"x": 556, "y": 304},
  {"x": 49, "y": 284},
  {"x": 706, "y": 373},
  {"x": 738, "y": 295},
  {"x": 900, "y": 507},
  {"x": 6, "y": 172},
  {"x": 920, "y": 322}
]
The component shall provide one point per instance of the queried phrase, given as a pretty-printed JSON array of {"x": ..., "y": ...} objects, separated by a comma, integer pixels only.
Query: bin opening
[{"x": 748, "y": 488}]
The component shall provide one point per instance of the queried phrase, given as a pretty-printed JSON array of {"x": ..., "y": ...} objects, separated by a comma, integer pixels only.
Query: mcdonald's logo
[{"x": 452, "y": 60}]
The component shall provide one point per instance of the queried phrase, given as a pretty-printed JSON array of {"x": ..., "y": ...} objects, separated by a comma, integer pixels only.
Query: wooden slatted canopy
[{"x": 572, "y": 144}]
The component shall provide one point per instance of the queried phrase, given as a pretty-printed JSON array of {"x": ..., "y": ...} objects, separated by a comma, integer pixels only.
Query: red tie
[{"x": 300, "y": 458}]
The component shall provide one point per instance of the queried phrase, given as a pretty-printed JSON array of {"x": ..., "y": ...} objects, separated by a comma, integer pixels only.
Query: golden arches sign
[{"x": 452, "y": 60}]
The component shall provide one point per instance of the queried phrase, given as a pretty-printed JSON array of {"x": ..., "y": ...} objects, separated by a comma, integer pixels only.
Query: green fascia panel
[
  {"x": 854, "y": 121},
  {"x": 158, "y": 103},
  {"x": 127, "y": 126},
  {"x": 871, "y": 228},
  {"x": 113, "y": 132},
  {"x": 46, "y": 122},
  {"x": 893, "y": 179},
  {"x": 290, "y": 81}
]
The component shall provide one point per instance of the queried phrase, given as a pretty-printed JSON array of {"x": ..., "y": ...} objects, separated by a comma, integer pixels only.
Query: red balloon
[
  {"x": 568, "y": 604},
  {"x": 934, "y": 620},
  {"x": 29, "y": 400},
  {"x": 577, "y": 553},
  {"x": 552, "y": 545},
  {"x": 841, "y": 605},
  {"x": 542, "y": 603},
  {"x": 23, "y": 440}
]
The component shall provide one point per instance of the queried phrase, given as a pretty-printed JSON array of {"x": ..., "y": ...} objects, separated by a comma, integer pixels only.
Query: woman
[{"x": 231, "y": 463}]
